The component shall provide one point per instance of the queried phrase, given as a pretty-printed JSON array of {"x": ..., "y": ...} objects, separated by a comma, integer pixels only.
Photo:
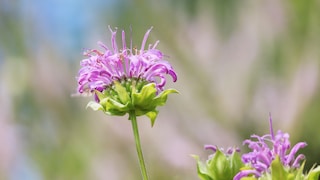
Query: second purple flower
[{"x": 265, "y": 149}]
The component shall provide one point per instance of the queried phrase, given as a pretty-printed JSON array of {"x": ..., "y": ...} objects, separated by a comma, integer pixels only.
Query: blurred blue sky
[{"x": 63, "y": 22}]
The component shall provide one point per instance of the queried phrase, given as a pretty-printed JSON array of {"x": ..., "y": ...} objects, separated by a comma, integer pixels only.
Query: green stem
[{"x": 133, "y": 118}]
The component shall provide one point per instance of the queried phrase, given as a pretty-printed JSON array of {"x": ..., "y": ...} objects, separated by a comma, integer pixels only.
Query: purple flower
[
  {"x": 265, "y": 149},
  {"x": 101, "y": 69}
]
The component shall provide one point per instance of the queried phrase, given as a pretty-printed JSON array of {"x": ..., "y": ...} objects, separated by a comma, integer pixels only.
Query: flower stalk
[{"x": 135, "y": 129}]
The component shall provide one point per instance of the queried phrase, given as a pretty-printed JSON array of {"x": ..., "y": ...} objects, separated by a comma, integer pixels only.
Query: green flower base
[{"x": 128, "y": 96}]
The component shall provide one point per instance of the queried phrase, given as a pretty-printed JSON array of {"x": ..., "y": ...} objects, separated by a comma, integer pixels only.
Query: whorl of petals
[{"x": 100, "y": 69}]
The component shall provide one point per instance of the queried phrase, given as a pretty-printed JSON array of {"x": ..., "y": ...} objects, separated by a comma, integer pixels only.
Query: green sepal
[
  {"x": 277, "y": 169},
  {"x": 297, "y": 174},
  {"x": 99, "y": 94},
  {"x": 144, "y": 99},
  {"x": 235, "y": 163},
  {"x": 313, "y": 173},
  {"x": 161, "y": 99},
  {"x": 95, "y": 106},
  {"x": 102, "y": 106},
  {"x": 122, "y": 93},
  {"x": 219, "y": 166},
  {"x": 113, "y": 107},
  {"x": 201, "y": 169},
  {"x": 122, "y": 98},
  {"x": 152, "y": 115}
]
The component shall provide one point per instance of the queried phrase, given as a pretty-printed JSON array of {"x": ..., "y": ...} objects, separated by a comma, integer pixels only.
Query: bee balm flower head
[
  {"x": 126, "y": 79},
  {"x": 268, "y": 149}
]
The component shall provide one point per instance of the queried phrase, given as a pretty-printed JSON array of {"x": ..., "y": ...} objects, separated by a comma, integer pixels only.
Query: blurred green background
[{"x": 236, "y": 62}]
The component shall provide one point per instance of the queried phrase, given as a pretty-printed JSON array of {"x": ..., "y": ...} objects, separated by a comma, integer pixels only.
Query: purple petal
[
  {"x": 246, "y": 173},
  {"x": 296, "y": 163},
  {"x": 294, "y": 150},
  {"x": 113, "y": 40},
  {"x": 211, "y": 147},
  {"x": 145, "y": 39}
]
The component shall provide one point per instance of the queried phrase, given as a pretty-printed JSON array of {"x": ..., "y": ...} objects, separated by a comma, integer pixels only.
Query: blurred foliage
[{"x": 236, "y": 62}]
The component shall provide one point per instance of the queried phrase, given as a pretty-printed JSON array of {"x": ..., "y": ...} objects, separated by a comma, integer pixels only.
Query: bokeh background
[{"x": 236, "y": 62}]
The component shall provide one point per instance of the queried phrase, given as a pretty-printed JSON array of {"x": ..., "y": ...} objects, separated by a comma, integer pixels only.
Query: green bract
[
  {"x": 219, "y": 166},
  {"x": 127, "y": 97}
]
